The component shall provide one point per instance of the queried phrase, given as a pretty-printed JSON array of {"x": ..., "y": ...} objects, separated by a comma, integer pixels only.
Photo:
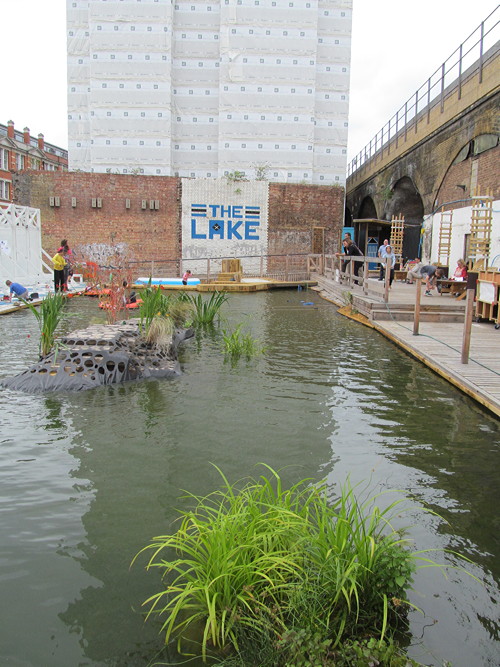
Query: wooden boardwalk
[{"x": 439, "y": 344}]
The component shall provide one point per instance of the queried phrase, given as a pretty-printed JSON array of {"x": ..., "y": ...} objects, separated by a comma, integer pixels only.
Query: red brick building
[{"x": 20, "y": 151}]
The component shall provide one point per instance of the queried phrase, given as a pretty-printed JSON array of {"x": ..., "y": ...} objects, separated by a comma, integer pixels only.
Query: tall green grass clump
[
  {"x": 237, "y": 344},
  {"x": 275, "y": 569},
  {"x": 49, "y": 315},
  {"x": 206, "y": 310}
]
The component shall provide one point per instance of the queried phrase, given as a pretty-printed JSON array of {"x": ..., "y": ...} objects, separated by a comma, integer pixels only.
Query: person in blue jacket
[{"x": 17, "y": 289}]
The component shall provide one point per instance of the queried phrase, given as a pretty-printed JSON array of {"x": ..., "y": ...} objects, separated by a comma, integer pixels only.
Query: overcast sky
[{"x": 396, "y": 46}]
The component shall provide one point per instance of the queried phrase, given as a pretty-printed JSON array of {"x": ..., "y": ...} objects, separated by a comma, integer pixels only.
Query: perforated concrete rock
[{"x": 100, "y": 355}]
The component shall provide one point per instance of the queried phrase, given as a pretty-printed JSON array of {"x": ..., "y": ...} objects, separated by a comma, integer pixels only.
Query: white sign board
[{"x": 224, "y": 219}]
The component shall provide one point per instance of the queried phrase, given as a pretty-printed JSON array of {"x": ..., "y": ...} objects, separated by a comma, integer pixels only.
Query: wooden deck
[{"x": 439, "y": 343}]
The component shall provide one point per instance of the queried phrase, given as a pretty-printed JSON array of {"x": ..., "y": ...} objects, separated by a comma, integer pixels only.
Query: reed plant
[
  {"x": 181, "y": 311},
  {"x": 49, "y": 315},
  {"x": 154, "y": 302},
  {"x": 159, "y": 332},
  {"x": 237, "y": 344},
  {"x": 258, "y": 560},
  {"x": 206, "y": 310}
]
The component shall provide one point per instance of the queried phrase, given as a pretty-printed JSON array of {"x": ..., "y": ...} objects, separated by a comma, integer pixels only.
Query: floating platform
[
  {"x": 162, "y": 282},
  {"x": 246, "y": 285}
]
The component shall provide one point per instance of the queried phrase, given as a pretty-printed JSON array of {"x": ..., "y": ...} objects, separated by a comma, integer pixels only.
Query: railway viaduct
[{"x": 437, "y": 155}]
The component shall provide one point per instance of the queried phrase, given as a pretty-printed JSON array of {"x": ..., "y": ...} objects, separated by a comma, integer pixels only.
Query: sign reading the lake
[
  {"x": 216, "y": 221},
  {"x": 222, "y": 219}
]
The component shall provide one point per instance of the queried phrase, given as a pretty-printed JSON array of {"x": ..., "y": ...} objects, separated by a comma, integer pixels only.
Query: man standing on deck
[{"x": 382, "y": 254}]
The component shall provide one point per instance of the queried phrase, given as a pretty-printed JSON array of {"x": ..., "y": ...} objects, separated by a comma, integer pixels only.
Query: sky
[{"x": 396, "y": 46}]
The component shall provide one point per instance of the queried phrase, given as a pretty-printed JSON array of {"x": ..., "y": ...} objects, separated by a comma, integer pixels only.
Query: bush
[{"x": 254, "y": 560}]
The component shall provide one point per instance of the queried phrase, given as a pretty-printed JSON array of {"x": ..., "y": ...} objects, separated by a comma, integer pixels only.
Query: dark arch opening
[
  {"x": 406, "y": 200},
  {"x": 367, "y": 209}
]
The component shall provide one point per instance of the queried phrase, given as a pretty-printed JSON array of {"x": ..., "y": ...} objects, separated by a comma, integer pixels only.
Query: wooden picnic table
[{"x": 456, "y": 288}]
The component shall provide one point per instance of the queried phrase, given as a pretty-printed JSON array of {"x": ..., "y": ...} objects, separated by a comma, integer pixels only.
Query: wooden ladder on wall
[
  {"x": 480, "y": 229},
  {"x": 445, "y": 229},
  {"x": 397, "y": 236}
]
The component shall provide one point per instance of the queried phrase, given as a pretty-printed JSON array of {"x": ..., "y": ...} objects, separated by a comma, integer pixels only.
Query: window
[
  {"x": 4, "y": 190},
  {"x": 4, "y": 159}
]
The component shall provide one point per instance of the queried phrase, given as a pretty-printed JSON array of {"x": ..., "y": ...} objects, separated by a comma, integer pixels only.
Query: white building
[{"x": 210, "y": 87}]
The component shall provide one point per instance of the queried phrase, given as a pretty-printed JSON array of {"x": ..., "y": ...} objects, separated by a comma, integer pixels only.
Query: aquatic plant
[
  {"x": 254, "y": 562},
  {"x": 49, "y": 315},
  {"x": 154, "y": 302},
  {"x": 237, "y": 344},
  {"x": 159, "y": 332},
  {"x": 181, "y": 311},
  {"x": 206, "y": 310}
]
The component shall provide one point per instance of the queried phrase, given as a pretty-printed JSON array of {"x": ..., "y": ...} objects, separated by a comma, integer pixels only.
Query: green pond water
[{"x": 86, "y": 480}]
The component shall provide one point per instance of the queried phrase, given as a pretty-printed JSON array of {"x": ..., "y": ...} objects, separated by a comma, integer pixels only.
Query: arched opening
[
  {"x": 405, "y": 200},
  {"x": 473, "y": 171},
  {"x": 367, "y": 209}
]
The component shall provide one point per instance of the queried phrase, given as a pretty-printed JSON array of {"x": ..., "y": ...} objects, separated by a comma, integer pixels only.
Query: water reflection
[{"x": 87, "y": 480}]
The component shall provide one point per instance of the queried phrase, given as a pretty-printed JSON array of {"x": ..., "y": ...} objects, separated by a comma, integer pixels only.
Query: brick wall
[
  {"x": 155, "y": 235},
  {"x": 94, "y": 232},
  {"x": 295, "y": 210},
  {"x": 464, "y": 173}
]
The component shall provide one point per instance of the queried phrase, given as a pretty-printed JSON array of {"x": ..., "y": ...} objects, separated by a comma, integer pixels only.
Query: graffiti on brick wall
[{"x": 104, "y": 254}]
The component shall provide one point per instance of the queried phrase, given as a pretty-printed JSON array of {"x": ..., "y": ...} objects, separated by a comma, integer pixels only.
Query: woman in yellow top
[{"x": 59, "y": 263}]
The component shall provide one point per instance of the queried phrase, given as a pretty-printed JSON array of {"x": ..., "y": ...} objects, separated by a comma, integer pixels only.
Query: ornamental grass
[
  {"x": 49, "y": 315},
  {"x": 257, "y": 562},
  {"x": 206, "y": 310}
]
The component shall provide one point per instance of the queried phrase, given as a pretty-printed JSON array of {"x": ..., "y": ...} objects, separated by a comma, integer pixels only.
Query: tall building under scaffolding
[{"x": 208, "y": 88}]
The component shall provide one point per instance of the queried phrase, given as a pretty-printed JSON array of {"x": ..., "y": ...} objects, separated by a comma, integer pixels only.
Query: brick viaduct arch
[{"x": 414, "y": 173}]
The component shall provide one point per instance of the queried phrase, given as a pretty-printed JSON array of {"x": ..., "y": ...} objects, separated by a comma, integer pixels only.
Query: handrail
[{"x": 452, "y": 71}]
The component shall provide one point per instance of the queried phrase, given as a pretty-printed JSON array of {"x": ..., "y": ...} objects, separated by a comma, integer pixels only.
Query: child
[
  {"x": 185, "y": 277},
  {"x": 59, "y": 263}
]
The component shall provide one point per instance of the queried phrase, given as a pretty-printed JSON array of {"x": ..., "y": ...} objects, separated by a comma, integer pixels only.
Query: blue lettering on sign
[
  {"x": 225, "y": 222},
  {"x": 194, "y": 233},
  {"x": 232, "y": 229}
]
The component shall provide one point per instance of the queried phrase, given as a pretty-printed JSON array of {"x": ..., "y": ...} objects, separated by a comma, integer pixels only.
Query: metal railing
[{"x": 469, "y": 56}]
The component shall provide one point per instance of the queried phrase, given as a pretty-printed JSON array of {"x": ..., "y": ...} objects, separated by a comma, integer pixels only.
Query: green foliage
[
  {"x": 159, "y": 332},
  {"x": 237, "y": 344},
  {"x": 181, "y": 311},
  {"x": 206, "y": 310},
  {"x": 154, "y": 302},
  {"x": 262, "y": 171},
  {"x": 49, "y": 314},
  {"x": 254, "y": 560},
  {"x": 235, "y": 176}
]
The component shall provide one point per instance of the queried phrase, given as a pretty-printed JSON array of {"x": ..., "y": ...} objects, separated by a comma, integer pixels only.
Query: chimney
[
  {"x": 41, "y": 142},
  {"x": 26, "y": 135},
  {"x": 10, "y": 129}
]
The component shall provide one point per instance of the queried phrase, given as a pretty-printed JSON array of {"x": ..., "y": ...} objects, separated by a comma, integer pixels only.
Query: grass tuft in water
[
  {"x": 49, "y": 315},
  {"x": 237, "y": 344},
  {"x": 256, "y": 562},
  {"x": 206, "y": 310}
]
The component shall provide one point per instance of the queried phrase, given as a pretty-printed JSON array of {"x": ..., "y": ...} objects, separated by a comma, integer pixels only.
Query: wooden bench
[{"x": 454, "y": 287}]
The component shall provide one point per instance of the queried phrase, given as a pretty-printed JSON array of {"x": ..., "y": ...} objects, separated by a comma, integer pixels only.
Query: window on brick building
[
  {"x": 4, "y": 189},
  {"x": 4, "y": 159}
]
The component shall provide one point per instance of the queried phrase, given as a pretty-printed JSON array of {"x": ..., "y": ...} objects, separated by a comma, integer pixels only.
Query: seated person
[
  {"x": 414, "y": 271},
  {"x": 460, "y": 272}
]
